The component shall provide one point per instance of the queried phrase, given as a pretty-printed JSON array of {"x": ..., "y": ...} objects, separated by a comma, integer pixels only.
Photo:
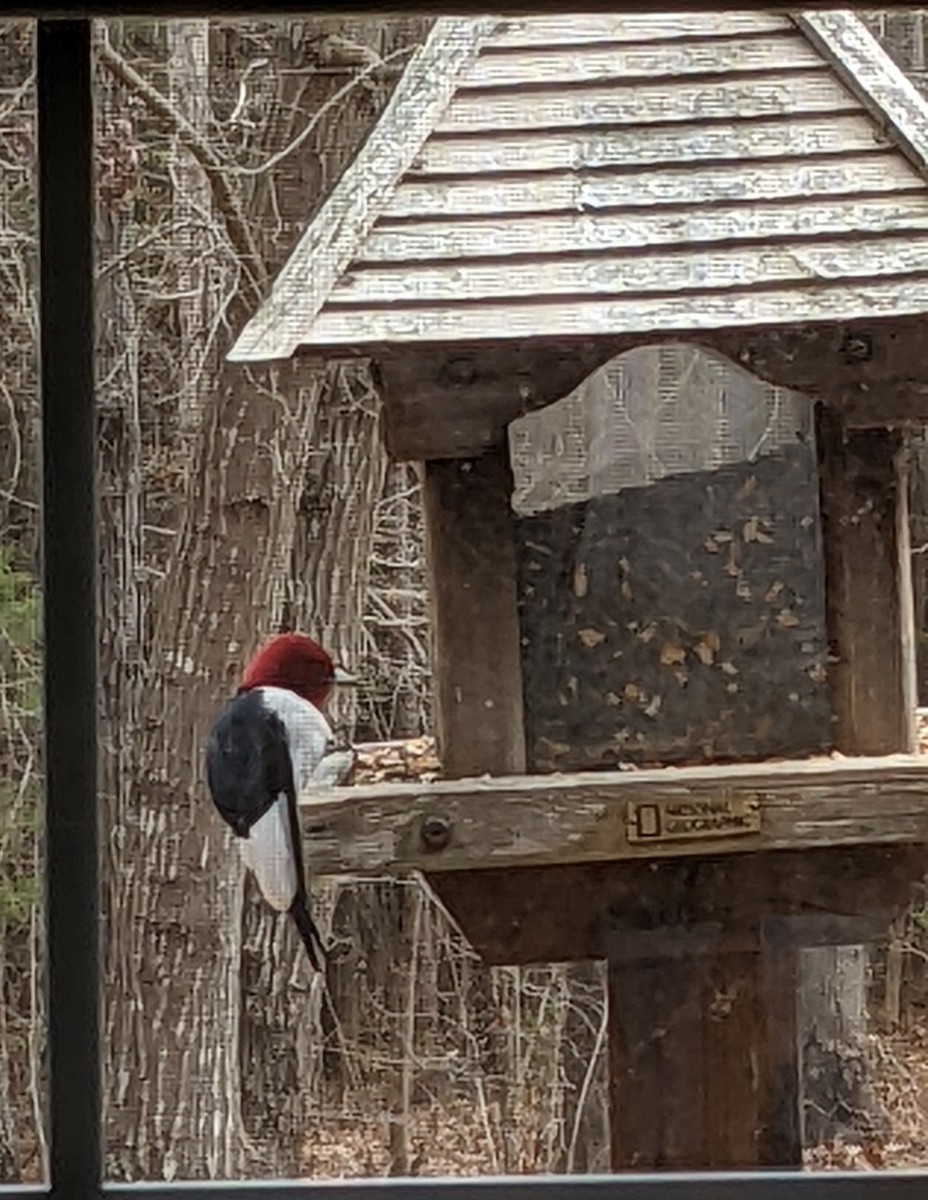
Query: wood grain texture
[
  {"x": 871, "y": 372},
  {"x": 703, "y": 1063},
  {"x": 561, "y": 233},
  {"x": 583, "y": 818},
  {"x": 692, "y": 312},
  {"x": 518, "y": 112},
  {"x": 683, "y": 907},
  {"x": 457, "y": 401},
  {"x": 578, "y": 29},
  {"x": 810, "y": 91},
  {"x": 799, "y": 263},
  {"x": 703, "y": 948},
  {"x": 888, "y": 94},
  {"x": 710, "y": 101},
  {"x": 847, "y": 177},
  {"x": 471, "y": 563},
  {"x": 775, "y": 1045},
  {"x": 529, "y": 66},
  {"x": 632, "y": 146},
  {"x": 868, "y": 586}
]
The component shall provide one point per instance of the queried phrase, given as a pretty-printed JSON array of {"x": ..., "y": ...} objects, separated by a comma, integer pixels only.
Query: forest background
[{"x": 234, "y": 502}]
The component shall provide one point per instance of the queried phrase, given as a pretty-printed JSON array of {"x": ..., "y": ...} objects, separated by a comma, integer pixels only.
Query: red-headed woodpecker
[{"x": 268, "y": 744}]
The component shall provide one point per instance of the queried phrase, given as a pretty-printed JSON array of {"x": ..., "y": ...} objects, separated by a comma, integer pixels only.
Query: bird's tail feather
[{"x": 309, "y": 932}]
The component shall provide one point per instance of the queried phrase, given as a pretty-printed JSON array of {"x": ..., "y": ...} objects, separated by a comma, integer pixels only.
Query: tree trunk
[
  {"x": 209, "y": 1004},
  {"x": 188, "y": 88},
  {"x": 177, "y": 943},
  {"x": 342, "y": 476},
  {"x": 173, "y": 881},
  {"x": 122, "y": 599},
  {"x": 324, "y": 576}
]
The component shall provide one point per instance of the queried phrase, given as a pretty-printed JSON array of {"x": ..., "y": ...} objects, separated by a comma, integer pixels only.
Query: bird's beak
[{"x": 343, "y": 677}]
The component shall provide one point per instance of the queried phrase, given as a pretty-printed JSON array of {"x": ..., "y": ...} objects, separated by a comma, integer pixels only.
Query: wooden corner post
[
  {"x": 472, "y": 581},
  {"x": 868, "y": 585}
]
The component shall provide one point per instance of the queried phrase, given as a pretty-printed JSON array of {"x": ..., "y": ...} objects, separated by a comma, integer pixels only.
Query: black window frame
[{"x": 69, "y": 579}]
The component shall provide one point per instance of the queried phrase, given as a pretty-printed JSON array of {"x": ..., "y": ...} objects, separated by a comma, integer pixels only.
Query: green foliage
[
  {"x": 19, "y": 886},
  {"x": 20, "y": 679},
  {"x": 19, "y": 616}
]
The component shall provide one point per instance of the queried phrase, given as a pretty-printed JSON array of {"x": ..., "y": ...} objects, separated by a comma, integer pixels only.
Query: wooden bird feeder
[{"x": 540, "y": 195}]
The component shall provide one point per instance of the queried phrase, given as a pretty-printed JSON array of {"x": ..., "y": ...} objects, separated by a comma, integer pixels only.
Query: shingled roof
[{"x": 618, "y": 174}]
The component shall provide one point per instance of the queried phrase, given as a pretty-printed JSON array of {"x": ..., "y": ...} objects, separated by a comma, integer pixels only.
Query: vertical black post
[{"x": 69, "y": 561}]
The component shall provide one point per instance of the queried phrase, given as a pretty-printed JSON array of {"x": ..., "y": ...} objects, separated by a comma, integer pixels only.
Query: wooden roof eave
[
  {"x": 363, "y": 191},
  {"x": 893, "y": 102},
  {"x": 280, "y": 327}
]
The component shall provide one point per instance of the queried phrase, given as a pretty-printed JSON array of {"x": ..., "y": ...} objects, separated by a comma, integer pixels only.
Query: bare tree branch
[
  {"x": 323, "y": 110},
  {"x": 228, "y": 203}
]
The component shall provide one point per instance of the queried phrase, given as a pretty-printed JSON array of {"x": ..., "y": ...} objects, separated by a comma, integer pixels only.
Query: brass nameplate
[{"x": 730, "y": 814}]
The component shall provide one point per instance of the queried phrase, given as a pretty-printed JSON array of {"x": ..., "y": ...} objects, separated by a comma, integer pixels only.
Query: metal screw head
[{"x": 435, "y": 834}]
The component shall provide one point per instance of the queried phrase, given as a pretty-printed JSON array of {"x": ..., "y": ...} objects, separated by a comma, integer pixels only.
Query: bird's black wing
[{"x": 247, "y": 761}]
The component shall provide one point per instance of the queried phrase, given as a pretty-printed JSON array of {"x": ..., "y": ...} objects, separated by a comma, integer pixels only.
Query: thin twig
[{"x": 227, "y": 201}]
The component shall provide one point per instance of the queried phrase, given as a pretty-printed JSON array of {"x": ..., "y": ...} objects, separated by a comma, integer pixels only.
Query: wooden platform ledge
[{"x": 600, "y": 816}]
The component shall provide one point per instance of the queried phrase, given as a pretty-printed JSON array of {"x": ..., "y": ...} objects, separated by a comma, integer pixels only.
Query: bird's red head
[{"x": 295, "y": 662}]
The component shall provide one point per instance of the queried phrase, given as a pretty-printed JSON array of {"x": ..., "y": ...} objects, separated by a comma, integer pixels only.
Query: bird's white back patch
[
  {"x": 268, "y": 853},
  {"x": 317, "y": 761}
]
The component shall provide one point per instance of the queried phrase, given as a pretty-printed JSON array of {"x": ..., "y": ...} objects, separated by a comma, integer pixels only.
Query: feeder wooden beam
[
  {"x": 606, "y": 816},
  {"x": 456, "y": 401},
  {"x": 681, "y": 910}
]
